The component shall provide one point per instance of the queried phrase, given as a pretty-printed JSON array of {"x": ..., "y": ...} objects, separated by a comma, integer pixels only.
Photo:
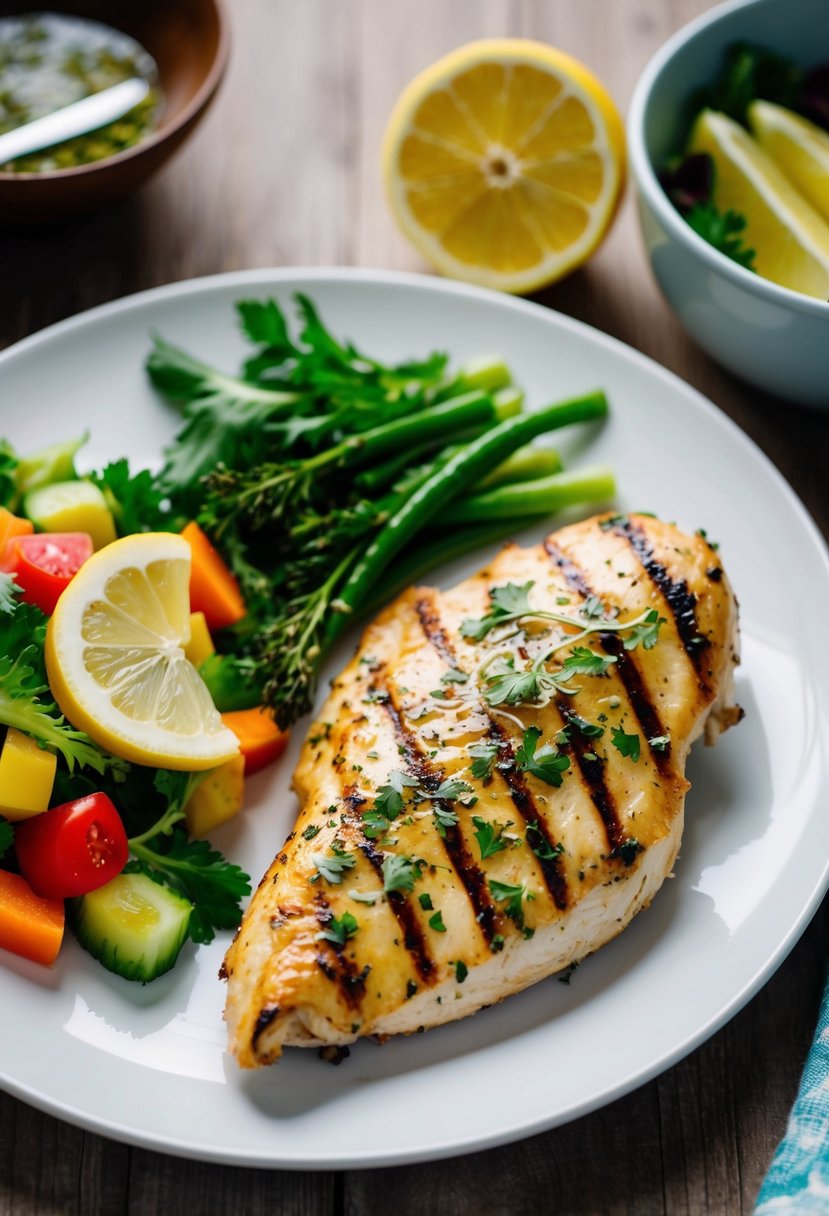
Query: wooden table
[{"x": 285, "y": 172}]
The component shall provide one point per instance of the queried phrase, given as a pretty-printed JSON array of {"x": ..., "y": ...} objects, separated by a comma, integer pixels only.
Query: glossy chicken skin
[{"x": 509, "y": 877}]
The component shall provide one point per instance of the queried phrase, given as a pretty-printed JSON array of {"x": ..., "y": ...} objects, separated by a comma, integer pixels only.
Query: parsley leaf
[
  {"x": 213, "y": 886},
  {"x": 425, "y": 901},
  {"x": 461, "y": 971},
  {"x": 508, "y": 602},
  {"x": 543, "y": 850},
  {"x": 332, "y": 866},
  {"x": 485, "y": 755},
  {"x": 506, "y": 686},
  {"x": 451, "y": 789},
  {"x": 454, "y": 676},
  {"x": 490, "y": 836},
  {"x": 339, "y": 930},
  {"x": 627, "y": 745},
  {"x": 389, "y": 798},
  {"x": 400, "y": 873},
  {"x": 646, "y": 633},
  {"x": 311, "y": 831},
  {"x": 722, "y": 230},
  {"x": 628, "y": 850},
  {"x": 444, "y": 818},
  {"x": 135, "y": 500},
  {"x": 547, "y": 763},
  {"x": 512, "y": 896},
  {"x": 436, "y": 923},
  {"x": 590, "y": 730},
  {"x": 582, "y": 661}
]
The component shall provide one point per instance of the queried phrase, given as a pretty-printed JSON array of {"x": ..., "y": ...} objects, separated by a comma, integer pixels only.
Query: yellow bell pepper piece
[
  {"x": 217, "y": 798},
  {"x": 27, "y": 774},
  {"x": 200, "y": 646}
]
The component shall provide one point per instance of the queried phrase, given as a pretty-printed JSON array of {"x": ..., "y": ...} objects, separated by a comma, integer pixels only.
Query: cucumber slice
[
  {"x": 71, "y": 506},
  {"x": 55, "y": 463},
  {"x": 134, "y": 926}
]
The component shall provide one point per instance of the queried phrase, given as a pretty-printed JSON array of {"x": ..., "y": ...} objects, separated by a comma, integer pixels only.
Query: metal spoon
[{"x": 75, "y": 119}]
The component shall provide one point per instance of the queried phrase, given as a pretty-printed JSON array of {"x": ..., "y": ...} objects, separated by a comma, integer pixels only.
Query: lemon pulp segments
[
  {"x": 116, "y": 661},
  {"x": 790, "y": 240},
  {"x": 504, "y": 162}
]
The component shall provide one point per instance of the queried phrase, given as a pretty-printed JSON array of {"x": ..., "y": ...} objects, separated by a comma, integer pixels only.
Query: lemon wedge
[
  {"x": 504, "y": 162},
  {"x": 798, "y": 147},
  {"x": 116, "y": 663},
  {"x": 790, "y": 240}
]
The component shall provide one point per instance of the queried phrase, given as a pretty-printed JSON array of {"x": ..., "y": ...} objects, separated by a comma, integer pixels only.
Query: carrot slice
[
  {"x": 12, "y": 526},
  {"x": 260, "y": 739},
  {"x": 29, "y": 925},
  {"x": 213, "y": 589}
]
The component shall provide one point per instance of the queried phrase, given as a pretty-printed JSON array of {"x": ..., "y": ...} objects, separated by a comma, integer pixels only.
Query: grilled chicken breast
[{"x": 494, "y": 788}]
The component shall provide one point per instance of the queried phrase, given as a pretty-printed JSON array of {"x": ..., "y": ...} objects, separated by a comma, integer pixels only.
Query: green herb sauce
[{"x": 48, "y": 61}]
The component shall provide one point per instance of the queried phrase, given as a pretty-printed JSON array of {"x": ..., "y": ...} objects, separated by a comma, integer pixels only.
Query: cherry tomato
[
  {"x": 44, "y": 564},
  {"x": 72, "y": 849}
]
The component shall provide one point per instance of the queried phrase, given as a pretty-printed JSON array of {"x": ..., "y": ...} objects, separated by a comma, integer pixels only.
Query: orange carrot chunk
[
  {"x": 213, "y": 588},
  {"x": 29, "y": 925},
  {"x": 260, "y": 739}
]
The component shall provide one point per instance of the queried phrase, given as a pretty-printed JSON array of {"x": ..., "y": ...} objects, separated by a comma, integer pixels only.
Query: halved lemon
[
  {"x": 504, "y": 162},
  {"x": 790, "y": 240},
  {"x": 116, "y": 663},
  {"x": 798, "y": 147}
]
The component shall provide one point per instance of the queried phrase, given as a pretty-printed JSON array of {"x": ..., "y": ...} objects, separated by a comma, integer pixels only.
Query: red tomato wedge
[
  {"x": 213, "y": 588},
  {"x": 44, "y": 564},
  {"x": 72, "y": 849}
]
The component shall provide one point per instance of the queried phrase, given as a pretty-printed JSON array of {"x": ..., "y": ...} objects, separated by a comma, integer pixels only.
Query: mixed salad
[{"x": 300, "y": 494}]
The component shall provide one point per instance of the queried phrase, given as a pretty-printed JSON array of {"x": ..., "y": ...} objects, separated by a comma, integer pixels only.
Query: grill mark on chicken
[
  {"x": 413, "y": 938},
  {"x": 593, "y": 776},
  {"x": 626, "y": 668},
  {"x": 263, "y": 1021},
  {"x": 351, "y": 982},
  {"x": 514, "y": 779},
  {"x": 681, "y": 601},
  {"x": 464, "y": 864},
  {"x": 554, "y": 878}
]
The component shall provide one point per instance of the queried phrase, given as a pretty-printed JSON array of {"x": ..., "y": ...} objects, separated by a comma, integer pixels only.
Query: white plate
[{"x": 147, "y": 1065}]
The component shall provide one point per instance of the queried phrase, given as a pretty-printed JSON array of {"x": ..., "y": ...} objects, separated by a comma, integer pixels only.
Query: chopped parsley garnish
[
  {"x": 374, "y": 824},
  {"x": 627, "y": 745},
  {"x": 388, "y": 801},
  {"x": 454, "y": 676},
  {"x": 539, "y": 844},
  {"x": 485, "y": 755},
  {"x": 547, "y": 763},
  {"x": 461, "y": 971},
  {"x": 507, "y": 603},
  {"x": 425, "y": 901},
  {"x": 436, "y": 923},
  {"x": 512, "y": 896},
  {"x": 339, "y": 930},
  {"x": 451, "y": 789},
  {"x": 331, "y": 866},
  {"x": 645, "y": 634},
  {"x": 583, "y": 661},
  {"x": 444, "y": 818},
  {"x": 590, "y": 730},
  {"x": 400, "y": 873},
  {"x": 593, "y": 609},
  {"x": 628, "y": 850},
  {"x": 490, "y": 836},
  {"x": 506, "y": 686},
  {"x": 612, "y": 521},
  {"x": 311, "y": 831}
]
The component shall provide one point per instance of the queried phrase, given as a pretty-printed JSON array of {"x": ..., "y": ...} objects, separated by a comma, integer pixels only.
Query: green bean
[
  {"x": 464, "y": 469},
  {"x": 528, "y": 464},
  {"x": 542, "y": 497}
]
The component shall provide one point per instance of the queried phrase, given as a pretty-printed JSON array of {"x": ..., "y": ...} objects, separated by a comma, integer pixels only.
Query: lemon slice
[
  {"x": 790, "y": 240},
  {"x": 504, "y": 162},
  {"x": 798, "y": 147},
  {"x": 115, "y": 658}
]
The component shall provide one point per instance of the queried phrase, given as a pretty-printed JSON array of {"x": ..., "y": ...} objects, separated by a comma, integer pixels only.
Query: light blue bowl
[{"x": 771, "y": 336}]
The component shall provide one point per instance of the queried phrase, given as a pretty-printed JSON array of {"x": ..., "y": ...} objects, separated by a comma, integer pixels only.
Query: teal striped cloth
[{"x": 797, "y": 1183}]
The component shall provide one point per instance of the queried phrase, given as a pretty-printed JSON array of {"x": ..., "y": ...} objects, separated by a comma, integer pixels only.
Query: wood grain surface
[{"x": 284, "y": 171}]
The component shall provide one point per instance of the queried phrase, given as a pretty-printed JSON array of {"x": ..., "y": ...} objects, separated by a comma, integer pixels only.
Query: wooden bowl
[{"x": 189, "y": 41}]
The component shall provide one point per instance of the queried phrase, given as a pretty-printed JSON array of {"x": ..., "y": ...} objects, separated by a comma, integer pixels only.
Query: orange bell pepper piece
[
  {"x": 260, "y": 739},
  {"x": 213, "y": 588}
]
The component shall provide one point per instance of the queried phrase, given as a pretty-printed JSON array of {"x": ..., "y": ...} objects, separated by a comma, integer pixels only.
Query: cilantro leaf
[
  {"x": 339, "y": 930},
  {"x": 512, "y": 896},
  {"x": 722, "y": 230},
  {"x": 400, "y": 873},
  {"x": 582, "y": 661},
  {"x": 645, "y": 634},
  {"x": 134, "y": 499},
  {"x": 25, "y": 700},
  {"x": 214, "y": 886},
  {"x": 626, "y": 745},
  {"x": 543, "y": 850},
  {"x": 332, "y": 865},
  {"x": 508, "y": 602},
  {"x": 490, "y": 836},
  {"x": 6, "y": 837},
  {"x": 485, "y": 755},
  {"x": 547, "y": 763}
]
